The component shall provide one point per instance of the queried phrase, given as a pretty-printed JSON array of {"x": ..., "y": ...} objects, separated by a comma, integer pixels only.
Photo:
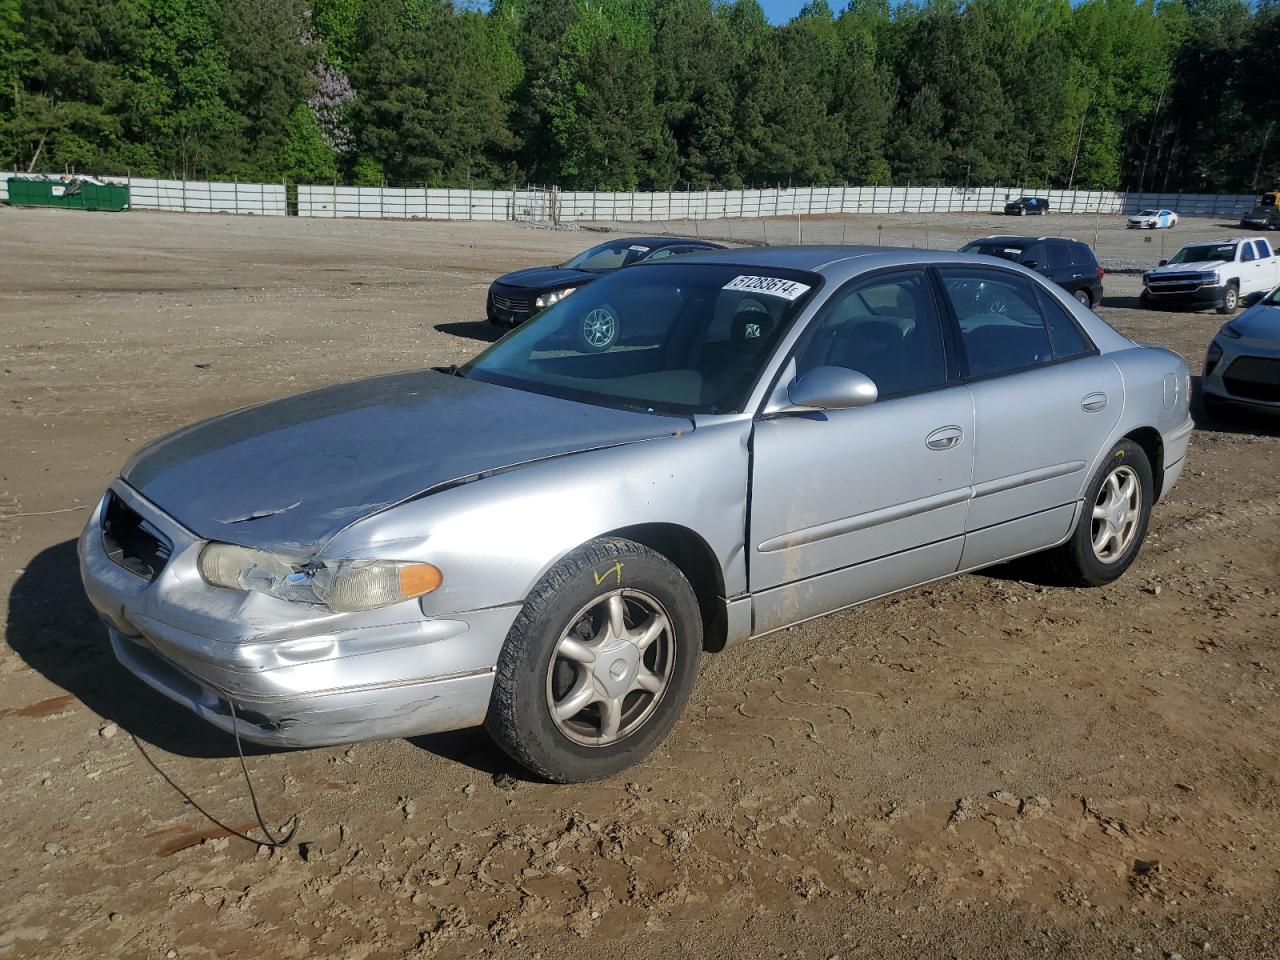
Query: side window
[
  {"x": 1068, "y": 340},
  {"x": 1264, "y": 248},
  {"x": 1081, "y": 256},
  {"x": 1246, "y": 253},
  {"x": 662, "y": 253},
  {"x": 886, "y": 327},
  {"x": 1058, "y": 257},
  {"x": 1001, "y": 327},
  {"x": 1033, "y": 254}
]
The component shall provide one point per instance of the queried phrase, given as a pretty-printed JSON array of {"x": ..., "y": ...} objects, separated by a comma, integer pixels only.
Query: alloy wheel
[
  {"x": 611, "y": 668},
  {"x": 1116, "y": 513}
]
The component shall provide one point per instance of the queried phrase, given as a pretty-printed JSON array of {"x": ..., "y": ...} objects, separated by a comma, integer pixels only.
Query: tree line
[{"x": 1175, "y": 95}]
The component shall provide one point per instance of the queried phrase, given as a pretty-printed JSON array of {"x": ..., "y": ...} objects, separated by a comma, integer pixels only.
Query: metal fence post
[{"x": 184, "y": 191}]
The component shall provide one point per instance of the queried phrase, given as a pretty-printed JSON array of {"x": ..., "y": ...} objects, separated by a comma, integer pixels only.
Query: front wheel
[
  {"x": 1110, "y": 531},
  {"x": 1230, "y": 300},
  {"x": 598, "y": 329},
  {"x": 598, "y": 665}
]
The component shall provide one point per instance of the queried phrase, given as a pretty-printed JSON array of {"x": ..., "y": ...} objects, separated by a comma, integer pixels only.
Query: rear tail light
[{"x": 1101, "y": 273}]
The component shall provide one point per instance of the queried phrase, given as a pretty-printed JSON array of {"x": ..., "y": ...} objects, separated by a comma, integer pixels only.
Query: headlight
[
  {"x": 554, "y": 296},
  {"x": 343, "y": 586},
  {"x": 1230, "y": 332},
  {"x": 1212, "y": 278},
  {"x": 1211, "y": 358}
]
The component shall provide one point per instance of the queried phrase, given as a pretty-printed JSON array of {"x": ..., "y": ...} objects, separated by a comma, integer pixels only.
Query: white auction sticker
[
  {"x": 638, "y": 249},
  {"x": 774, "y": 286}
]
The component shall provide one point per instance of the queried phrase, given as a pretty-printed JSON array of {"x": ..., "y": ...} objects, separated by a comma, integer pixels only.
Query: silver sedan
[{"x": 547, "y": 539}]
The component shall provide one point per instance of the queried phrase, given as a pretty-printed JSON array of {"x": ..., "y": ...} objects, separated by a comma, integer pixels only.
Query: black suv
[
  {"x": 1025, "y": 205},
  {"x": 1068, "y": 263}
]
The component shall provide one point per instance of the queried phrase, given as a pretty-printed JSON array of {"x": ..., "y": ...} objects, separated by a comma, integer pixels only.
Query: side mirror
[
  {"x": 1030, "y": 264},
  {"x": 832, "y": 388},
  {"x": 1163, "y": 263}
]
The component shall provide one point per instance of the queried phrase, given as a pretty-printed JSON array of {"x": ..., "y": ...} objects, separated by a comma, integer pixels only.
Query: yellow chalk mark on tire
[{"x": 616, "y": 569}]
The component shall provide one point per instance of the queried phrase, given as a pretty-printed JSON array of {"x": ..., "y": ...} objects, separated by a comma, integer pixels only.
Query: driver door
[{"x": 847, "y": 505}]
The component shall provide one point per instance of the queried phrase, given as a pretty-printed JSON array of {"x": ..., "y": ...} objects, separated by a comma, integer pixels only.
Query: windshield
[
  {"x": 1199, "y": 252},
  {"x": 665, "y": 338},
  {"x": 1261, "y": 213},
  {"x": 1148, "y": 213},
  {"x": 1005, "y": 249},
  {"x": 609, "y": 256}
]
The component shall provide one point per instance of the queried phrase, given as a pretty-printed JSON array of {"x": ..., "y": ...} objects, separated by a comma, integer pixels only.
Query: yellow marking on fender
[{"x": 602, "y": 577}]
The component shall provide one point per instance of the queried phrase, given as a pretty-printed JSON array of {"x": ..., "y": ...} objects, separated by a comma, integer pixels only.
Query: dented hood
[{"x": 291, "y": 473}]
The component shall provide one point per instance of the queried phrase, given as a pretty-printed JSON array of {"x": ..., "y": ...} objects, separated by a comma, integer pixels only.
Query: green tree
[{"x": 308, "y": 158}]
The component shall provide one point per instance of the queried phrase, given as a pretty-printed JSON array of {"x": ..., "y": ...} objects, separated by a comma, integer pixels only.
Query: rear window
[{"x": 1081, "y": 256}]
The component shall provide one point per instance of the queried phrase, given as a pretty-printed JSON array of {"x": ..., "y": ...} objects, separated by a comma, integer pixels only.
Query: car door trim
[
  {"x": 861, "y": 521},
  {"x": 1015, "y": 480}
]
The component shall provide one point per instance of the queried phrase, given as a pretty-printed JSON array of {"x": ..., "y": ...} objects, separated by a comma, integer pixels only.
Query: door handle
[
  {"x": 944, "y": 438},
  {"x": 1094, "y": 403}
]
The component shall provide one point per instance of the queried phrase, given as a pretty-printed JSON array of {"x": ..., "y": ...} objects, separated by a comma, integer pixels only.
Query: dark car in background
[
  {"x": 1026, "y": 205},
  {"x": 1067, "y": 262},
  {"x": 1262, "y": 218},
  {"x": 515, "y": 297}
]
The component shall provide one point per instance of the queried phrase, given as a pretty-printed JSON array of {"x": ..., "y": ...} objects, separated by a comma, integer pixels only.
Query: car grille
[
  {"x": 1175, "y": 283},
  {"x": 1253, "y": 378},
  {"x": 512, "y": 304},
  {"x": 131, "y": 542}
]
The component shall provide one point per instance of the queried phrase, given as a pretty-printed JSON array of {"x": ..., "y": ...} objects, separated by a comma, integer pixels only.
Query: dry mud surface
[{"x": 978, "y": 769}]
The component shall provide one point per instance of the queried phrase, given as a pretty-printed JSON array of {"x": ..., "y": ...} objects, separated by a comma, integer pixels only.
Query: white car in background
[{"x": 1153, "y": 220}]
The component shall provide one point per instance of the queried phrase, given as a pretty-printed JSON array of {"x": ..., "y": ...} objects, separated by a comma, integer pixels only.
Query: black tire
[
  {"x": 1075, "y": 562},
  {"x": 1085, "y": 298},
  {"x": 1230, "y": 299},
  {"x": 1215, "y": 408},
  {"x": 520, "y": 719},
  {"x": 598, "y": 329}
]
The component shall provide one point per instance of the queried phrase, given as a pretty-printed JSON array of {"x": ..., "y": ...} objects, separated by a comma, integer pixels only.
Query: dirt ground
[{"x": 985, "y": 768}]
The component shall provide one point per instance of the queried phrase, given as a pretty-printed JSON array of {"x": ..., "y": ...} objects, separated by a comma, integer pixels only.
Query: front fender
[{"x": 495, "y": 537}]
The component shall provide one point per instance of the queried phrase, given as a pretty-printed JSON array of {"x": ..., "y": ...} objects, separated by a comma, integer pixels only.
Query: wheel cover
[
  {"x": 611, "y": 668},
  {"x": 1116, "y": 513},
  {"x": 599, "y": 327},
  {"x": 1230, "y": 297}
]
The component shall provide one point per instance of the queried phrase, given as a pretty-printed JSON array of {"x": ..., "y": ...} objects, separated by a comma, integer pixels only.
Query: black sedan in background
[{"x": 515, "y": 297}]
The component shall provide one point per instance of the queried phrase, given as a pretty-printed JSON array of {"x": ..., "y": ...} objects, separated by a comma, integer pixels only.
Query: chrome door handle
[
  {"x": 944, "y": 438},
  {"x": 1094, "y": 403}
]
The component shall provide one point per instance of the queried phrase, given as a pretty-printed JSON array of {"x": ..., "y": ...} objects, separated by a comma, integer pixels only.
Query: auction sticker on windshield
[{"x": 774, "y": 286}]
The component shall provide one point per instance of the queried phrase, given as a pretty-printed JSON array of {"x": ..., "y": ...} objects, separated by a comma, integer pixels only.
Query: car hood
[
  {"x": 545, "y": 278},
  {"x": 1259, "y": 322},
  {"x": 1203, "y": 266},
  {"x": 290, "y": 474}
]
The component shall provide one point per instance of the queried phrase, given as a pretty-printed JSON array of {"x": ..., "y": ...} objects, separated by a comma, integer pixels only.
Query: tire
[
  {"x": 598, "y": 329},
  {"x": 1216, "y": 409},
  {"x": 1084, "y": 298},
  {"x": 1078, "y": 562},
  {"x": 571, "y": 608},
  {"x": 1230, "y": 299},
  {"x": 1022, "y": 211}
]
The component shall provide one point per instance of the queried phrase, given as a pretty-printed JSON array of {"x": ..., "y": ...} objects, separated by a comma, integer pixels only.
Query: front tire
[
  {"x": 1110, "y": 531},
  {"x": 598, "y": 665},
  {"x": 1230, "y": 299}
]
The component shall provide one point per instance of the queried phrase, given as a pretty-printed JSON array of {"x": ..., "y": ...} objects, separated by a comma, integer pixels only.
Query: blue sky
[{"x": 780, "y": 11}]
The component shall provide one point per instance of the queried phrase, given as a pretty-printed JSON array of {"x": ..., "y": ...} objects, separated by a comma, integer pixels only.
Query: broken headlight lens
[{"x": 343, "y": 586}]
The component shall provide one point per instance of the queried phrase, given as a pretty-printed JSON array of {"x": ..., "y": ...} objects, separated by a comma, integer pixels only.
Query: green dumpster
[{"x": 73, "y": 194}]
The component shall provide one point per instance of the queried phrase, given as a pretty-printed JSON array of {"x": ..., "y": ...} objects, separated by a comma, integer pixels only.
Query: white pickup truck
[{"x": 1212, "y": 273}]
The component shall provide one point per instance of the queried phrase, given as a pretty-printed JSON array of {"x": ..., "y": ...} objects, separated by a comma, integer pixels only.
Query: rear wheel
[
  {"x": 1110, "y": 531},
  {"x": 1084, "y": 297},
  {"x": 599, "y": 664}
]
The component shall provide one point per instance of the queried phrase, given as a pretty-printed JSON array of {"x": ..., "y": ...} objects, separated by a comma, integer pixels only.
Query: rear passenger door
[
  {"x": 1045, "y": 403},
  {"x": 1270, "y": 268}
]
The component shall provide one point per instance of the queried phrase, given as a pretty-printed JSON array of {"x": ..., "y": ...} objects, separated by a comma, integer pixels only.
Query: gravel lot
[{"x": 980, "y": 769}]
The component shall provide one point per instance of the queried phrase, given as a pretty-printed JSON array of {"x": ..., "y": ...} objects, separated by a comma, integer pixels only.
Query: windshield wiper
[{"x": 452, "y": 370}]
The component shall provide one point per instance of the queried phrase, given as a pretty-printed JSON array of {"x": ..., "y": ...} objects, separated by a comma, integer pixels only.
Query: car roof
[
  {"x": 828, "y": 260},
  {"x": 1010, "y": 238}
]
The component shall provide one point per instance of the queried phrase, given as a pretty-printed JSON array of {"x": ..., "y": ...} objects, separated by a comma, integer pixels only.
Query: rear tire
[
  {"x": 1084, "y": 298},
  {"x": 579, "y": 693},
  {"x": 1113, "y": 522}
]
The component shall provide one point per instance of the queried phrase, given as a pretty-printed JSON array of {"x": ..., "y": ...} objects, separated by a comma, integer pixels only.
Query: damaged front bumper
[{"x": 298, "y": 675}]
